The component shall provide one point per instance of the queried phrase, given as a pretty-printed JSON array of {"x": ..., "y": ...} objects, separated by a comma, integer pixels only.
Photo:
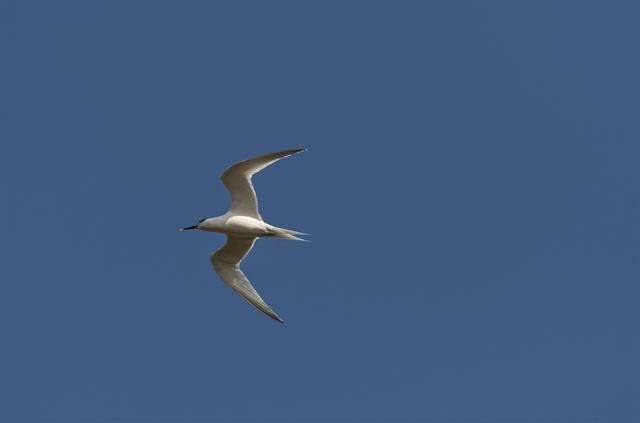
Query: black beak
[{"x": 188, "y": 228}]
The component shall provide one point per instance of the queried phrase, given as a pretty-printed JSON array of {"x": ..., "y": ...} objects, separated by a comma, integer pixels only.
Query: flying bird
[{"x": 243, "y": 225}]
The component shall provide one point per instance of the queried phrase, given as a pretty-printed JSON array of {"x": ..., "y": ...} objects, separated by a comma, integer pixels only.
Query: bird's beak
[{"x": 188, "y": 228}]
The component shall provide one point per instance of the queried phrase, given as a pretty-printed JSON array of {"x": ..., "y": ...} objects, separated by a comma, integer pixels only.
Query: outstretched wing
[
  {"x": 237, "y": 179},
  {"x": 226, "y": 262}
]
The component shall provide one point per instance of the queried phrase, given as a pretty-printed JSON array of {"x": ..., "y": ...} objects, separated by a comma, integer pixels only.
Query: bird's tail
[{"x": 287, "y": 234}]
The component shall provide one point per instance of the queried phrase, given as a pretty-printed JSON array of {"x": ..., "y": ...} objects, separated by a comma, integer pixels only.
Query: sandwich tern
[{"x": 243, "y": 225}]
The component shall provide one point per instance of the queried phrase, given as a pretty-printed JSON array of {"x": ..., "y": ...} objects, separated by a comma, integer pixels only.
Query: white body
[{"x": 234, "y": 225}]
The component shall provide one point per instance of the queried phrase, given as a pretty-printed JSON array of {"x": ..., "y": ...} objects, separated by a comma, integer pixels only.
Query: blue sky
[{"x": 471, "y": 186}]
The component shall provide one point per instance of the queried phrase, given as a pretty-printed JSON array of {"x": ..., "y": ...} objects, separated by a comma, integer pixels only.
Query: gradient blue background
[{"x": 471, "y": 186}]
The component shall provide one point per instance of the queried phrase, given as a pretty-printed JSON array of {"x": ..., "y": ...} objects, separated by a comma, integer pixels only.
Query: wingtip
[{"x": 277, "y": 318}]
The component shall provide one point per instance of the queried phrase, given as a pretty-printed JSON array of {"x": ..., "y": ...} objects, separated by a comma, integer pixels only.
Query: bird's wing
[
  {"x": 237, "y": 179},
  {"x": 226, "y": 262}
]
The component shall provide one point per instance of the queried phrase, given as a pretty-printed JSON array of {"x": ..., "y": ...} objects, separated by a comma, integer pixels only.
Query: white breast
[{"x": 245, "y": 226}]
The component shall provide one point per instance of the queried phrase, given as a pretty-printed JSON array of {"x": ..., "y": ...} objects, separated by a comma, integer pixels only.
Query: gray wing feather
[
  {"x": 226, "y": 262},
  {"x": 237, "y": 179}
]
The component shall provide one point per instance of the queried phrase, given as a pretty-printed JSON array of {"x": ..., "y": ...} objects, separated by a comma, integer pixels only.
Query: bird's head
[{"x": 188, "y": 228}]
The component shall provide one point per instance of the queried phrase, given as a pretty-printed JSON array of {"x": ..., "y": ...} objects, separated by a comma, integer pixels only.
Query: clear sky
[{"x": 471, "y": 186}]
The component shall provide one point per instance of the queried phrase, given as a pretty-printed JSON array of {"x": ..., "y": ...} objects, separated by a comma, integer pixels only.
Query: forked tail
[{"x": 286, "y": 234}]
